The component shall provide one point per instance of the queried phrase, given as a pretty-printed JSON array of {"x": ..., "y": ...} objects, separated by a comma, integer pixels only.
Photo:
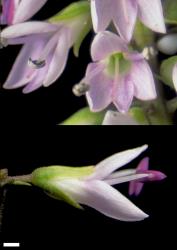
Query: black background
[
  {"x": 29, "y": 139},
  {"x": 37, "y": 220}
]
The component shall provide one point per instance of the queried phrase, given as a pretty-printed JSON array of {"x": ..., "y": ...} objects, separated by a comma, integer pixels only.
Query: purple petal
[
  {"x": 151, "y": 14},
  {"x": 142, "y": 78},
  {"x": 106, "y": 43},
  {"x": 104, "y": 168},
  {"x": 125, "y": 13},
  {"x": 101, "y": 14},
  {"x": 59, "y": 59},
  {"x": 105, "y": 199},
  {"x": 26, "y": 9},
  {"x": 28, "y": 28},
  {"x": 99, "y": 94},
  {"x": 143, "y": 165},
  {"x": 123, "y": 93},
  {"x": 135, "y": 188},
  {"x": 21, "y": 73}
]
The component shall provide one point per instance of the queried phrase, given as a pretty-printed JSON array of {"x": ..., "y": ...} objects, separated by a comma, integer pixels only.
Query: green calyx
[
  {"x": 117, "y": 63},
  {"x": 48, "y": 178},
  {"x": 72, "y": 11}
]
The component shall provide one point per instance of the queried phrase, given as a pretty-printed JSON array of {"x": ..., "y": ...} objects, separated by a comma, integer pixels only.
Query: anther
[
  {"x": 80, "y": 89},
  {"x": 36, "y": 64}
]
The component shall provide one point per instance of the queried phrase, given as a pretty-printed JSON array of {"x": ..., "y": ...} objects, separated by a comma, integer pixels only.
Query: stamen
[
  {"x": 80, "y": 89},
  {"x": 36, "y": 64}
]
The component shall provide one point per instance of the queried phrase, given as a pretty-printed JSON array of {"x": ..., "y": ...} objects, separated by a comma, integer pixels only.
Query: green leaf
[
  {"x": 142, "y": 35},
  {"x": 170, "y": 7},
  {"x": 139, "y": 115},
  {"x": 84, "y": 32},
  {"x": 71, "y": 11},
  {"x": 85, "y": 117},
  {"x": 166, "y": 69}
]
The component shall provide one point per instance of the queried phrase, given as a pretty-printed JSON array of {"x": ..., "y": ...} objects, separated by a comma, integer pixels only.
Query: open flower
[
  {"x": 91, "y": 185},
  {"x": 46, "y": 45},
  {"x": 124, "y": 13},
  {"x": 117, "y": 75},
  {"x": 16, "y": 11}
]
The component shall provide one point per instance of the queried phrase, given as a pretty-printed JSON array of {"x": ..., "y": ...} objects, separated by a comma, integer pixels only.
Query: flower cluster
[{"x": 124, "y": 41}]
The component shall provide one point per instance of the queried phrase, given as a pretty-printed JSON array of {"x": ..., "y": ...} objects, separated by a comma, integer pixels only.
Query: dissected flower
[
  {"x": 124, "y": 13},
  {"x": 16, "y": 11},
  {"x": 116, "y": 75},
  {"x": 45, "y": 51},
  {"x": 91, "y": 185}
]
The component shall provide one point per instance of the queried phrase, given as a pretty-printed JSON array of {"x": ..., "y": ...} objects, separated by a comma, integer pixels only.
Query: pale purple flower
[
  {"x": 135, "y": 187},
  {"x": 116, "y": 75},
  {"x": 95, "y": 189},
  {"x": 16, "y": 11},
  {"x": 44, "y": 54},
  {"x": 124, "y": 13}
]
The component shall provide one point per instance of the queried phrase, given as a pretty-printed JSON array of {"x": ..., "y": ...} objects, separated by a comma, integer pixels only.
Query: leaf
[
  {"x": 85, "y": 117},
  {"x": 170, "y": 7},
  {"x": 166, "y": 69},
  {"x": 142, "y": 35},
  {"x": 71, "y": 11},
  {"x": 138, "y": 114}
]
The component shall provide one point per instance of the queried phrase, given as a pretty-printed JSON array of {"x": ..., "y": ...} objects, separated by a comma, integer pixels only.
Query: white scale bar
[{"x": 13, "y": 244}]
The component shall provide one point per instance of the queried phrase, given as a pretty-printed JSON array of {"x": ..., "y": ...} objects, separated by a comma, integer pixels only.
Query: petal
[
  {"x": 141, "y": 76},
  {"x": 106, "y": 43},
  {"x": 102, "y": 197},
  {"x": 123, "y": 94},
  {"x": 125, "y": 13},
  {"x": 174, "y": 76},
  {"x": 116, "y": 118},
  {"x": 110, "y": 164},
  {"x": 135, "y": 188},
  {"x": 59, "y": 59},
  {"x": 143, "y": 165},
  {"x": 28, "y": 28},
  {"x": 99, "y": 94},
  {"x": 20, "y": 71},
  {"x": 151, "y": 14},
  {"x": 26, "y": 9},
  {"x": 101, "y": 14},
  {"x": 38, "y": 80},
  {"x": 128, "y": 178}
]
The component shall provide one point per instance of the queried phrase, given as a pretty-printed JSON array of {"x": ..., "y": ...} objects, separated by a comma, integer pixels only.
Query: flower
[
  {"x": 123, "y": 13},
  {"x": 135, "y": 187},
  {"x": 16, "y": 11},
  {"x": 92, "y": 186},
  {"x": 116, "y": 75},
  {"x": 46, "y": 46}
]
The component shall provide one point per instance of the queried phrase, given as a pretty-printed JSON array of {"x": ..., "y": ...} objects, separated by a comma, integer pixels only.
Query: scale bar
[{"x": 12, "y": 244}]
